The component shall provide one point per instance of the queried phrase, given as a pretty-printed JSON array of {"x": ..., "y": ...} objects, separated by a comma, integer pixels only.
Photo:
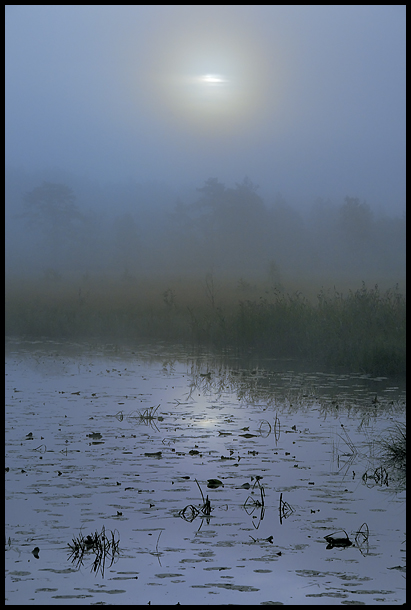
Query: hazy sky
[{"x": 305, "y": 100}]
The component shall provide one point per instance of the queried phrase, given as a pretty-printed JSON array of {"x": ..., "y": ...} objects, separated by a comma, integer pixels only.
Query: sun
[
  {"x": 212, "y": 79},
  {"x": 206, "y": 93}
]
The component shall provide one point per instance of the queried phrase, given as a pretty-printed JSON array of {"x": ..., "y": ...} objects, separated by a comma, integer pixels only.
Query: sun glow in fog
[{"x": 212, "y": 78}]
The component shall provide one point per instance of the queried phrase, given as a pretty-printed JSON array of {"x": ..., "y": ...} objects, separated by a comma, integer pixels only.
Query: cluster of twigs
[
  {"x": 102, "y": 545},
  {"x": 265, "y": 428},
  {"x": 392, "y": 457},
  {"x": 284, "y": 509},
  {"x": 254, "y": 503},
  {"x": 41, "y": 449},
  {"x": 277, "y": 429},
  {"x": 336, "y": 540},
  {"x": 148, "y": 414},
  {"x": 347, "y": 440},
  {"x": 361, "y": 539},
  {"x": 158, "y": 553},
  {"x": 147, "y": 417},
  {"x": 378, "y": 476},
  {"x": 190, "y": 512}
]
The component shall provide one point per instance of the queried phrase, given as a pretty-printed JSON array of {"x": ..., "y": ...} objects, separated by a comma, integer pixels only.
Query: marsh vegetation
[
  {"x": 393, "y": 452},
  {"x": 222, "y": 269},
  {"x": 362, "y": 330}
]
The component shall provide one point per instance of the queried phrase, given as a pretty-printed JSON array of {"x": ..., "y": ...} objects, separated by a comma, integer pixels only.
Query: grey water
[{"x": 128, "y": 438}]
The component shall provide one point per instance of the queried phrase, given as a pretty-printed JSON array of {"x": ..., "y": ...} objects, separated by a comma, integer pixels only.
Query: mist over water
[
  {"x": 205, "y": 295},
  {"x": 206, "y": 173}
]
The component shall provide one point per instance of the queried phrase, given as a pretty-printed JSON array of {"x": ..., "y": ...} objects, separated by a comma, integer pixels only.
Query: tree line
[{"x": 229, "y": 230}]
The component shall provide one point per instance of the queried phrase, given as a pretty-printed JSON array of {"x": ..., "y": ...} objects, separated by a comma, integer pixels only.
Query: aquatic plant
[
  {"x": 284, "y": 509},
  {"x": 103, "y": 546},
  {"x": 394, "y": 446},
  {"x": 361, "y": 539},
  {"x": 190, "y": 512},
  {"x": 336, "y": 540},
  {"x": 251, "y": 504},
  {"x": 254, "y": 501},
  {"x": 393, "y": 452},
  {"x": 376, "y": 476}
]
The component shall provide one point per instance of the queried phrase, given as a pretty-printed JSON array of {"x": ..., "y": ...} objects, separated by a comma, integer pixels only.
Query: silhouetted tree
[
  {"x": 51, "y": 206},
  {"x": 247, "y": 185},
  {"x": 51, "y": 210},
  {"x": 212, "y": 188},
  {"x": 355, "y": 220},
  {"x": 231, "y": 223}
]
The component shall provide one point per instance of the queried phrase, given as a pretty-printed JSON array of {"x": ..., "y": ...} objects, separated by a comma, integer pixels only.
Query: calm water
[{"x": 313, "y": 438}]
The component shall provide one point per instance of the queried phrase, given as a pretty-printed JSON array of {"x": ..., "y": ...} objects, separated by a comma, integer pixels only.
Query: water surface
[{"x": 80, "y": 421}]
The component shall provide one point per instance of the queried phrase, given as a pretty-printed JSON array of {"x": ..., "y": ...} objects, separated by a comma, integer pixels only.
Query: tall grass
[
  {"x": 393, "y": 452},
  {"x": 394, "y": 446},
  {"x": 363, "y": 330}
]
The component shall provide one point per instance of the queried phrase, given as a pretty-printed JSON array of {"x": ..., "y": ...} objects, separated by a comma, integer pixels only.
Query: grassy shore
[{"x": 360, "y": 330}]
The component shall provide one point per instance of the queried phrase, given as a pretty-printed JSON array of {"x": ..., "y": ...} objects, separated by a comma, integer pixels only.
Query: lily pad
[
  {"x": 214, "y": 483},
  {"x": 94, "y": 435},
  {"x": 335, "y": 540}
]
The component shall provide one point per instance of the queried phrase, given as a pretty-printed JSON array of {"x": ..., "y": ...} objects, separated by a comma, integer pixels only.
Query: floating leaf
[
  {"x": 94, "y": 435},
  {"x": 36, "y": 552},
  {"x": 214, "y": 483},
  {"x": 337, "y": 541}
]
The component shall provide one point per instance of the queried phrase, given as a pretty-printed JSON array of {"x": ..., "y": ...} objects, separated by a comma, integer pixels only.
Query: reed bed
[
  {"x": 362, "y": 330},
  {"x": 394, "y": 448}
]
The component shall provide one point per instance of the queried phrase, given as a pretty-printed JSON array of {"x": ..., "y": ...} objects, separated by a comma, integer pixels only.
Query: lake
[{"x": 216, "y": 479}]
